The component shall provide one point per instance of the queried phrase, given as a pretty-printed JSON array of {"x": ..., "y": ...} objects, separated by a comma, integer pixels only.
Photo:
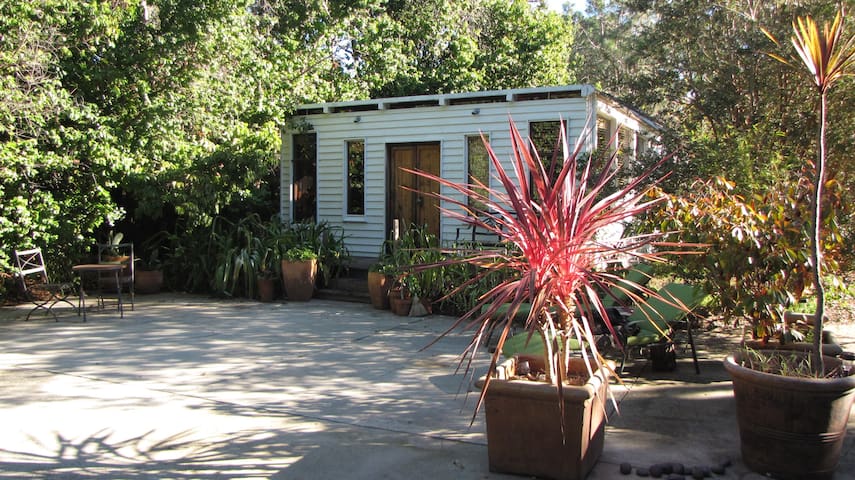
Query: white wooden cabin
[{"x": 340, "y": 161}]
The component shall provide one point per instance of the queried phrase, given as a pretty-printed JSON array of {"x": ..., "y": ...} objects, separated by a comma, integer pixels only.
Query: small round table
[{"x": 114, "y": 268}]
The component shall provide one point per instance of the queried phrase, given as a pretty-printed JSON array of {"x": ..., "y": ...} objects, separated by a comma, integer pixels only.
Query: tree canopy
[
  {"x": 151, "y": 115},
  {"x": 166, "y": 113}
]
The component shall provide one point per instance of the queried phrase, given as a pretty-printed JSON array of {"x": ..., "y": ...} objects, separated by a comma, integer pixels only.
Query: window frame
[
  {"x": 468, "y": 163},
  {"x": 348, "y": 215}
]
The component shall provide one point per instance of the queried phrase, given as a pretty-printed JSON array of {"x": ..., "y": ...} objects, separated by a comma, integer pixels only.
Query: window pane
[
  {"x": 356, "y": 177},
  {"x": 305, "y": 161},
  {"x": 478, "y": 166},
  {"x": 544, "y": 136},
  {"x": 604, "y": 134}
]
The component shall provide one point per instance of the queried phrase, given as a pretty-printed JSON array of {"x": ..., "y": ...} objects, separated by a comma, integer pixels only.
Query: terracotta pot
[
  {"x": 790, "y": 427},
  {"x": 378, "y": 289},
  {"x": 266, "y": 289},
  {"x": 400, "y": 306},
  {"x": 148, "y": 281},
  {"x": 298, "y": 279},
  {"x": 524, "y": 429}
]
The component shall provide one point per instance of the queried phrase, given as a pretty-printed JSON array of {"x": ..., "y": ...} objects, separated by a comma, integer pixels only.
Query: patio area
[{"x": 191, "y": 387}]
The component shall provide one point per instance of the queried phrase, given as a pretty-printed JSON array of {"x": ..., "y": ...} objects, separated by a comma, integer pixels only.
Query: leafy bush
[{"x": 757, "y": 263}]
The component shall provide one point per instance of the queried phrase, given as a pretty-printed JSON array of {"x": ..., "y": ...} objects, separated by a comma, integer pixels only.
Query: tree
[
  {"x": 828, "y": 56},
  {"x": 54, "y": 148}
]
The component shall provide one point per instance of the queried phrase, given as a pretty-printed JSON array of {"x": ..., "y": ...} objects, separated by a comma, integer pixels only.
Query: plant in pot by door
[
  {"x": 546, "y": 418},
  {"x": 791, "y": 426},
  {"x": 381, "y": 276},
  {"x": 380, "y": 280},
  {"x": 299, "y": 268},
  {"x": 400, "y": 297}
]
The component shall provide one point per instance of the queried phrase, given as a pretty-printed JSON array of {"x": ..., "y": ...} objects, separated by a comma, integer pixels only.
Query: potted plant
[
  {"x": 400, "y": 296},
  {"x": 148, "y": 277},
  {"x": 413, "y": 290},
  {"x": 267, "y": 274},
  {"x": 793, "y": 426},
  {"x": 380, "y": 279},
  {"x": 550, "y": 261},
  {"x": 299, "y": 269}
]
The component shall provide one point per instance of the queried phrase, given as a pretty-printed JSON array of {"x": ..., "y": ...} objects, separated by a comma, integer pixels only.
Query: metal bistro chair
[
  {"x": 122, "y": 253},
  {"x": 36, "y": 285}
]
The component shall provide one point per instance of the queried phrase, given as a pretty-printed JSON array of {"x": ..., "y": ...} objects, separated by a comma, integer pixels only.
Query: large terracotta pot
[
  {"x": 790, "y": 427},
  {"x": 148, "y": 281},
  {"x": 298, "y": 279},
  {"x": 524, "y": 428},
  {"x": 378, "y": 289}
]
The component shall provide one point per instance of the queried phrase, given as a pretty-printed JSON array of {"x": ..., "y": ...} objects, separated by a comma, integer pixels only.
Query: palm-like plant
[
  {"x": 828, "y": 56},
  {"x": 548, "y": 230}
]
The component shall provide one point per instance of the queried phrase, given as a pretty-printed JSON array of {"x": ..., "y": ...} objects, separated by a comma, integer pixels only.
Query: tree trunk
[{"x": 816, "y": 239}]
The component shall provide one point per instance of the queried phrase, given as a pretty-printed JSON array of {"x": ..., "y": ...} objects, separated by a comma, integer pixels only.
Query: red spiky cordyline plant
[{"x": 547, "y": 229}]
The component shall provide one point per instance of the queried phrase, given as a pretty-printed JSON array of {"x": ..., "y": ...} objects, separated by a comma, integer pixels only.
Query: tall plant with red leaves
[
  {"x": 828, "y": 55},
  {"x": 548, "y": 230}
]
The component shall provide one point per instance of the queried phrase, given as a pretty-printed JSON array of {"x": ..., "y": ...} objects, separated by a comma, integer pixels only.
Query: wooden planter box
[{"x": 524, "y": 430}]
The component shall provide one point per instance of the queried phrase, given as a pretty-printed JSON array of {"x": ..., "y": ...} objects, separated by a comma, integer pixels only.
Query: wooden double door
[{"x": 406, "y": 202}]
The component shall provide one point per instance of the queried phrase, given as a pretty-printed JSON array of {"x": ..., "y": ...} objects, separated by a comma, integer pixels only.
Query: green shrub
[{"x": 756, "y": 262}]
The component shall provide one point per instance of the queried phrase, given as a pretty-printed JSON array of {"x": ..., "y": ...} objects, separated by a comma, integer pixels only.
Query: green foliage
[
  {"x": 777, "y": 362},
  {"x": 242, "y": 253},
  {"x": 326, "y": 243},
  {"x": 729, "y": 110},
  {"x": 299, "y": 254},
  {"x": 165, "y": 114},
  {"x": 415, "y": 246},
  {"x": 757, "y": 261}
]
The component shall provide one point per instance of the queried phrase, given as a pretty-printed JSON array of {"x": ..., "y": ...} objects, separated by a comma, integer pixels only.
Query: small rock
[
  {"x": 642, "y": 472},
  {"x": 625, "y": 468},
  {"x": 678, "y": 468},
  {"x": 697, "y": 473},
  {"x": 667, "y": 468},
  {"x": 656, "y": 471}
]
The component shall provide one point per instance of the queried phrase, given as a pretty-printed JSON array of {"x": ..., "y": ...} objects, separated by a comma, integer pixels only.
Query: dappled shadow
[
  {"x": 241, "y": 389},
  {"x": 171, "y": 366}
]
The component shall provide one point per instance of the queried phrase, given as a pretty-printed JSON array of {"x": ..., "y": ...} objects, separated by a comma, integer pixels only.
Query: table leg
[
  {"x": 119, "y": 295},
  {"x": 81, "y": 304}
]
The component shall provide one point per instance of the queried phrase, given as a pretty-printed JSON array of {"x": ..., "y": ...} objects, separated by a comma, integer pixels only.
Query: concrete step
[{"x": 350, "y": 288}]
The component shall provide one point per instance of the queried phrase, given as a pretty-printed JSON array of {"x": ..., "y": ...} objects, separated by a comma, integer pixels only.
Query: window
[
  {"x": 304, "y": 184},
  {"x": 478, "y": 167},
  {"x": 356, "y": 177},
  {"x": 604, "y": 134},
  {"x": 626, "y": 145},
  {"x": 544, "y": 137}
]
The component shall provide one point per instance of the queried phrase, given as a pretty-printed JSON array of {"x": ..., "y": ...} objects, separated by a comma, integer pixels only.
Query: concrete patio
[{"x": 190, "y": 387}]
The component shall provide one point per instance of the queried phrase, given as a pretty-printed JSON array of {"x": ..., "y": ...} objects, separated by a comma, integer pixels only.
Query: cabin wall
[{"x": 449, "y": 125}]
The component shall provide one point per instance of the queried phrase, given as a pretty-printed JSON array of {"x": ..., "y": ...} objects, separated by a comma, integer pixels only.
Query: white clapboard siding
[{"x": 449, "y": 120}]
